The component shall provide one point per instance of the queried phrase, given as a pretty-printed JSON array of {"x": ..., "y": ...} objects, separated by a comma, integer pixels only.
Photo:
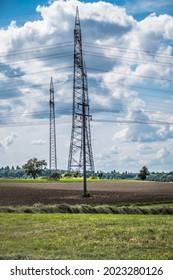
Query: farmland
[
  {"x": 41, "y": 235},
  {"x": 102, "y": 192}
]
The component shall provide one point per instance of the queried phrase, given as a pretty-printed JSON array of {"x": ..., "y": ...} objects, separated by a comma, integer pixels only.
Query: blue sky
[
  {"x": 18, "y": 10},
  {"x": 128, "y": 49},
  {"x": 24, "y": 10}
]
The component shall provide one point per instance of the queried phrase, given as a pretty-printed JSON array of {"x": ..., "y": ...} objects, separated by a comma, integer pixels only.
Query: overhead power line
[
  {"x": 45, "y": 113},
  {"x": 126, "y": 121},
  {"x": 33, "y": 49},
  {"x": 128, "y": 59},
  {"x": 130, "y": 74},
  {"x": 43, "y": 71},
  {"x": 129, "y": 50},
  {"x": 68, "y": 120},
  {"x": 99, "y": 70},
  {"x": 88, "y": 45},
  {"x": 21, "y": 87},
  {"x": 42, "y": 58}
]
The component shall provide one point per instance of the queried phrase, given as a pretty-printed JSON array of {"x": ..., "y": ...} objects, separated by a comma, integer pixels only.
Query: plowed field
[{"x": 71, "y": 193}]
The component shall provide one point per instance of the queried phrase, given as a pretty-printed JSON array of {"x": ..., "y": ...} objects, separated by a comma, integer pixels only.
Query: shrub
[{"x": 55, "y": 176}]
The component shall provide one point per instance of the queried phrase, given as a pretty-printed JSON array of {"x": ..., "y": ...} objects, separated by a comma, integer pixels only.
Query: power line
[
  {"x": 42, "y": 58},
  {"x": 43, "y": 71},
  {"x": 94, "y": 69},
  {"x": 70, "y": 43},
  {"x": 45, "y": 57},
  {"x": 112, "y": 110},
  {"x": 142, "y": 87},
  {"x": 125, "y": 121},
  {"x": 6, "y": 91},
  {"x": 122, "y": 49},
  {"x": 129, "y": 74},
  {"x": 121, "y": 58},
  {"x": 69, "y": 53},
  {"x": 33, "y": 49},
  {"x": 91, "y": 45},
  {"x": 44, "y": 114},
  {"x": 33, "y": 123}
]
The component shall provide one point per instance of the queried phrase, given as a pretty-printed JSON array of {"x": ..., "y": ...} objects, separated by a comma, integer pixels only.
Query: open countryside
[
  {"x": 16, "y": 193},
  {"x": 41, "y": 230},
  {"x": 128, "y": 53}
]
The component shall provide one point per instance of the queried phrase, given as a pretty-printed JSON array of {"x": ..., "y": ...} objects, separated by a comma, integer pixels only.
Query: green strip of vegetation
[
  {"x": 61, "y": 180},
  {"x": 88, "y": 209},
  {"x": 69, "y": 236}
]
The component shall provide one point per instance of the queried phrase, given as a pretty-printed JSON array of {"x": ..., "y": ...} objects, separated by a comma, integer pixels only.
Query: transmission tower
[
  {"x": 52, "y": 151},
  {"x": 80, "y": 155}
]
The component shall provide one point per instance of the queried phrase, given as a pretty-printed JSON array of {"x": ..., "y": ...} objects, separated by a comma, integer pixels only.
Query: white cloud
[
  {"x": 8, "y": 141},
  {"x": 38, "y": 142},
  {"x": 134, "y": 54},
  {"x": 141, "y": 129},
  {"x": 148, "y": 6},
  {"x": 162, "y": 153}
]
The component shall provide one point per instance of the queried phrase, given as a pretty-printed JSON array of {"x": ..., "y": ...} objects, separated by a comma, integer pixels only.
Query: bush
[
  {"x": 93, "y": 177},
  {"x": 55, "y": 176},
  {"x": 67, "y": 174}
]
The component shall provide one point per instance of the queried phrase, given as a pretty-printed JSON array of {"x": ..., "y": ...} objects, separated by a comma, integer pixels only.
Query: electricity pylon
[
  {"x": 52, "y": 150},
  {"x": 80, "y": 155}
]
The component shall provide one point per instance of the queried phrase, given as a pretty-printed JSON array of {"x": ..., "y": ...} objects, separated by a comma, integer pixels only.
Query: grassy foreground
[{"x": 81, "y": 236}]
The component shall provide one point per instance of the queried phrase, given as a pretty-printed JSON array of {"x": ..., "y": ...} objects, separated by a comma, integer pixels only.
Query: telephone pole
[
  {"x": 52, "y": 148},
  {"x": 80, "y": 154}
]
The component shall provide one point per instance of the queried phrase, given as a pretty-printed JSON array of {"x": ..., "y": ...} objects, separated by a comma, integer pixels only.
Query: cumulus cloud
[
  {"x": 8, "y": 141},
  {"x": 102, "y": 24},
  {"x": 38, "y": 142},
  {"x": 141, "y": 129},
  {"x": 123, "y": 56}
]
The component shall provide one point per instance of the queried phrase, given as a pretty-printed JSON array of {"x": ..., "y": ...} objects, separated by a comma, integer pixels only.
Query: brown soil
[{"x": 72, "y": 193}]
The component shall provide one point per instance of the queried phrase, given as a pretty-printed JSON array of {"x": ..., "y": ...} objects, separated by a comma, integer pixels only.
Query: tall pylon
[
  {"x": 52, "y": 149},
  {"x": 80, "y": 155}
]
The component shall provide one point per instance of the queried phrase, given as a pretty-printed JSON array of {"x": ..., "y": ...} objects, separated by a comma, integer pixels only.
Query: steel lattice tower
[
  {"x": 52, "y": 151},
  {"x": 80, "y": 155}
]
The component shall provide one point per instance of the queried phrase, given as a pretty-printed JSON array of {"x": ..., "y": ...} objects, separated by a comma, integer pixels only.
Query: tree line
[{"x": 35, "y": 167}]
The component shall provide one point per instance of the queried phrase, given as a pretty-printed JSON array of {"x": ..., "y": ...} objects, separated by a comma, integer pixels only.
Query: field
[
  {"x": 86, "y": 236},
  {"x": 15, "y": 193}
]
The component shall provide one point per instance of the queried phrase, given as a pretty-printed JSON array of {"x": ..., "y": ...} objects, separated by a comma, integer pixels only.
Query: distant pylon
[
  {"x": 80, "y": 155},
  {"x": 52, "y": 150}
]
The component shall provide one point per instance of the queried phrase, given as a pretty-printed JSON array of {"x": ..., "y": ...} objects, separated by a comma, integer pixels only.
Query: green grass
[
  {"x": 62, "y": 180},
  {"x": 80, "y": 236}
]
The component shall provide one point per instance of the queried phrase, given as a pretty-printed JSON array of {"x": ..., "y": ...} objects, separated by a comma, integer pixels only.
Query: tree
[
  {"x": 143, "y": 173},
  {"x": 34, "y": 167},
  {"x": 55, "y": 175},
  {"x": 100, "y": 174}
]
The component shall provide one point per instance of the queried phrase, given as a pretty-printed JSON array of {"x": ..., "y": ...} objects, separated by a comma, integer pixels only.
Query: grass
[
  {"x": 62, "y": 180},
  {"x": 80, "y": 236},
  {"x": 48, "y": 232},
  {"x": 158, "y": 209}
]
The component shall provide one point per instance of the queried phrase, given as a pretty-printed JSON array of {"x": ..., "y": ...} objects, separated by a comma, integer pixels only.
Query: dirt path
[{"x": 101, "y": 193}]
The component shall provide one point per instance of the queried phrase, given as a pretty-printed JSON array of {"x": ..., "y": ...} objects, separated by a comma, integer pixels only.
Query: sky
[{"x": 128, "y": 50}]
